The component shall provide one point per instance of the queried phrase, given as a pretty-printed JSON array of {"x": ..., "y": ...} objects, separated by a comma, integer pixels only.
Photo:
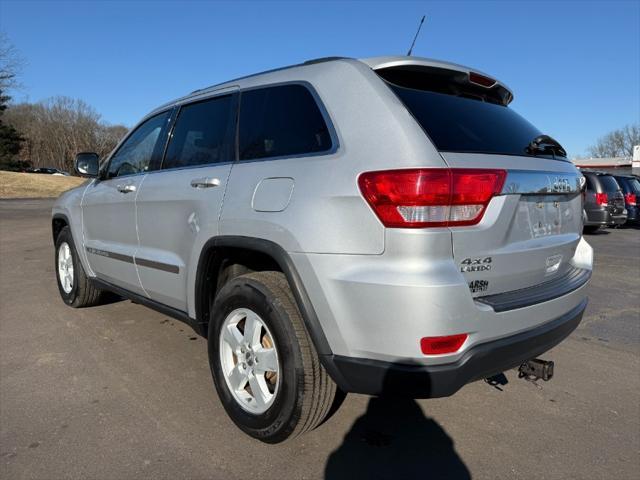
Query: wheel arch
[
  {"x": 210, "y": 255},
  {"x": 58, "y": 222}
]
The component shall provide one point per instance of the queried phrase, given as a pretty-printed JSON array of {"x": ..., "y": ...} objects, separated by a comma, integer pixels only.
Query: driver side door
[{"x": 109, "y": 209}]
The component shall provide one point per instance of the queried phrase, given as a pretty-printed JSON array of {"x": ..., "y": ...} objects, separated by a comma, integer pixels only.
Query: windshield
[{"x": 458, "y": 124}]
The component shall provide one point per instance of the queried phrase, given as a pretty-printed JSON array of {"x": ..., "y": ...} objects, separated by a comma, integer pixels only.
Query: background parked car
[
  {"x": 48, "y": 171},
  {"x": 631, "y": 190},
  {"x": 603, "y": 202}
]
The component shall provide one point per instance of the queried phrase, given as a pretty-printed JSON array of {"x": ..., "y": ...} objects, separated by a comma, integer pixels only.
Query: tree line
[
  {"x": 618, "y": 143},
  {"x": 54, "y": 130},
  {"x": 47, "y": 133}
]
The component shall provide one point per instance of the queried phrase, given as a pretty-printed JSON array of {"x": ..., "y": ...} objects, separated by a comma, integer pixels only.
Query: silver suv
[{"x": 376, "y": 226}]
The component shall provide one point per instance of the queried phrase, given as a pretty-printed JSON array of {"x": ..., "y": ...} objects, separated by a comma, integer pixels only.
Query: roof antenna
[{"x": 415, "y": 38}]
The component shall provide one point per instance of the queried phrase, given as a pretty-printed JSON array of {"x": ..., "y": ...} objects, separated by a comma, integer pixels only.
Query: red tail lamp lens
[
  {"x": 442, "y": 345},
  {"x": 430, "y": 197},
  {"x": 630, "y": 198},
  {"x": 602, "y": 198}
]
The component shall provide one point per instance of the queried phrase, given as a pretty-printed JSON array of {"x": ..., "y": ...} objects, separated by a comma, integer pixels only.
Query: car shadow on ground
[{"x": 394, "y": 439}]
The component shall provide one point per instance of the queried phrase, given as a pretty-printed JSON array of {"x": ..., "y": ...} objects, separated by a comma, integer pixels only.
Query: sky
[{"x": 574, "y": 66}]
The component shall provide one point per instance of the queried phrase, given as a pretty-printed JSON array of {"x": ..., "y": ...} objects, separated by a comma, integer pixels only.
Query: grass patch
[{"x": 35, "y": 185}]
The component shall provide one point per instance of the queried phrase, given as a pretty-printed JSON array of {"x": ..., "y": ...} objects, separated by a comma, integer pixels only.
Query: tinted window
[
  {"x": 203, "y": 134},
  {"x": 608, "y": 183},
  {"x": 280, "y": 121},
  {"x": 135, "y": 153},
  {"x": 622, "y": 182},
  {"x": 628, "y": 184},
  {"x": 458, "y": 124},
  {"x": 590, "y": 185}
]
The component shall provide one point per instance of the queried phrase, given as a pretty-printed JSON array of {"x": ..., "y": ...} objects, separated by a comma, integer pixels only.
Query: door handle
[
  {"x": 205, "y": 182},
  {"x": 126, "y": 188}
]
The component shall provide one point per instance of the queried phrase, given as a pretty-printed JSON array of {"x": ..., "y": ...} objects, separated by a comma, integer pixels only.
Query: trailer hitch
[{"x": 536, "y": 369}]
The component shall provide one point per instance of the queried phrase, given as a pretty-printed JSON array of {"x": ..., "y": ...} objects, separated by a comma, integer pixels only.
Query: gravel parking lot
[{"x": 119, "y": 391}]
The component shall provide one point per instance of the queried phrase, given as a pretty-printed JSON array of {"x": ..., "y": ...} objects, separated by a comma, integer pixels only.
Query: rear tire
[
  {"x": 76, "y": 289},
  {"x": 591, "y": 228},
  {"x": 302, "y": 393}
]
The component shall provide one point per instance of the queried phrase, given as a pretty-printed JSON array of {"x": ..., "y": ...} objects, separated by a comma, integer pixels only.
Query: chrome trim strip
[
  {"x": 525, "y": 182},
  {"x": 141, "y": 262}
]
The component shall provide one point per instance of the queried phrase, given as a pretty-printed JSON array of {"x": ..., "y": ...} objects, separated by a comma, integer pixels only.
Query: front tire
[
  {"x": 264, "y": 366},
  {"x": 76, "y": 289}
]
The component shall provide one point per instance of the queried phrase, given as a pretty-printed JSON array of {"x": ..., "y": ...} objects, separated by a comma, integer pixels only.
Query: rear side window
[
  {"x": 203, "y": 134},
  {"x": 590, "y": 185},
  {"x": 608, "y": 183},
  {"x": 459, "y": 124},
  {"x": 622, "y": 182},
  {"x": 634, "y": 184},
  {"x": 281, "y": 121}
]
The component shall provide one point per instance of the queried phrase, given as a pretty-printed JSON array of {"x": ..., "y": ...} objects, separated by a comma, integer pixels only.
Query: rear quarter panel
[{"x": 326, "y": 213}]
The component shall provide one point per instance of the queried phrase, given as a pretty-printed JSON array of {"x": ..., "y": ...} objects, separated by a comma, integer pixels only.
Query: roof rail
[{"x": 308, "y": 62}]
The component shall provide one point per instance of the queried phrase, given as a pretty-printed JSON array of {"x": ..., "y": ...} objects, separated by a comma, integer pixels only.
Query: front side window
[
  {"x": 135, "y": 153},
  {"x": 203, "y": 134},
  {"x": 281, "y": 121}
]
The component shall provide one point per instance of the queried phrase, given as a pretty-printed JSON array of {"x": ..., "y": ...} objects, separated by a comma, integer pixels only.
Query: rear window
[
  {"x": 608, "y": 183},
  {"x": 458, "y": 124},
  {"x": 281, "y": 121},
  {"x": 628, "y": 184}
]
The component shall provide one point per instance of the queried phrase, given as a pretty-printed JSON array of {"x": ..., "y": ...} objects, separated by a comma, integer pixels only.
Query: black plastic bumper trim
[
  {"x": 543, "y": 292},
  {"x": 375, "y": 377}
]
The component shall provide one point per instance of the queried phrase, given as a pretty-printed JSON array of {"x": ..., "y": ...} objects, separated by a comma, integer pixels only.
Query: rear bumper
[
  {"x": 619, "y": 219},
  {"x": 375, "y": 377},
  {"x": 633, "y": 214},
  {"x": 600, "y": 216}
]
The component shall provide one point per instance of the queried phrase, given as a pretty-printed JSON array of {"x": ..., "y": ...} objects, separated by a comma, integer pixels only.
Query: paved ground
[{"x": 120, "y": 392}]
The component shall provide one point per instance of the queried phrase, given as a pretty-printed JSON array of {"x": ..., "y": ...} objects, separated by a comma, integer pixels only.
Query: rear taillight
[
  {"x": 442, "y": 345},
  {"x": 630, "y": 198},
  {"x": 430, "y": 197},
  {"x": 602, "y": 198}
]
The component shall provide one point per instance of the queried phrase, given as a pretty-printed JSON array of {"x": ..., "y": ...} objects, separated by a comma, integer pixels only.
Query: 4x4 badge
[{"x": 481, "y": 264}]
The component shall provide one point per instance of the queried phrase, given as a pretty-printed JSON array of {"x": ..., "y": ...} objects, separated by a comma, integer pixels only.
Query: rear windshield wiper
[{"x": 544, "y": 143}]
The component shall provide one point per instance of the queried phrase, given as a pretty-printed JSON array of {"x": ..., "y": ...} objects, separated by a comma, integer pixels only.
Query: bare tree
[
  {"x": 11, "y": 64},
  {"x": 56, "y": 129},
  {"x": 618, "y": 143}
]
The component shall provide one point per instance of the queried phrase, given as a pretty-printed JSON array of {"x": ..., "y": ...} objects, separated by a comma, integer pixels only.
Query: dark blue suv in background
[{"x": 631, "y": 190}]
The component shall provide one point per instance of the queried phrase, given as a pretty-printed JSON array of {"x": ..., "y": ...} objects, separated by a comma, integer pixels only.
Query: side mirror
[{"x": 87, "y": 164}]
